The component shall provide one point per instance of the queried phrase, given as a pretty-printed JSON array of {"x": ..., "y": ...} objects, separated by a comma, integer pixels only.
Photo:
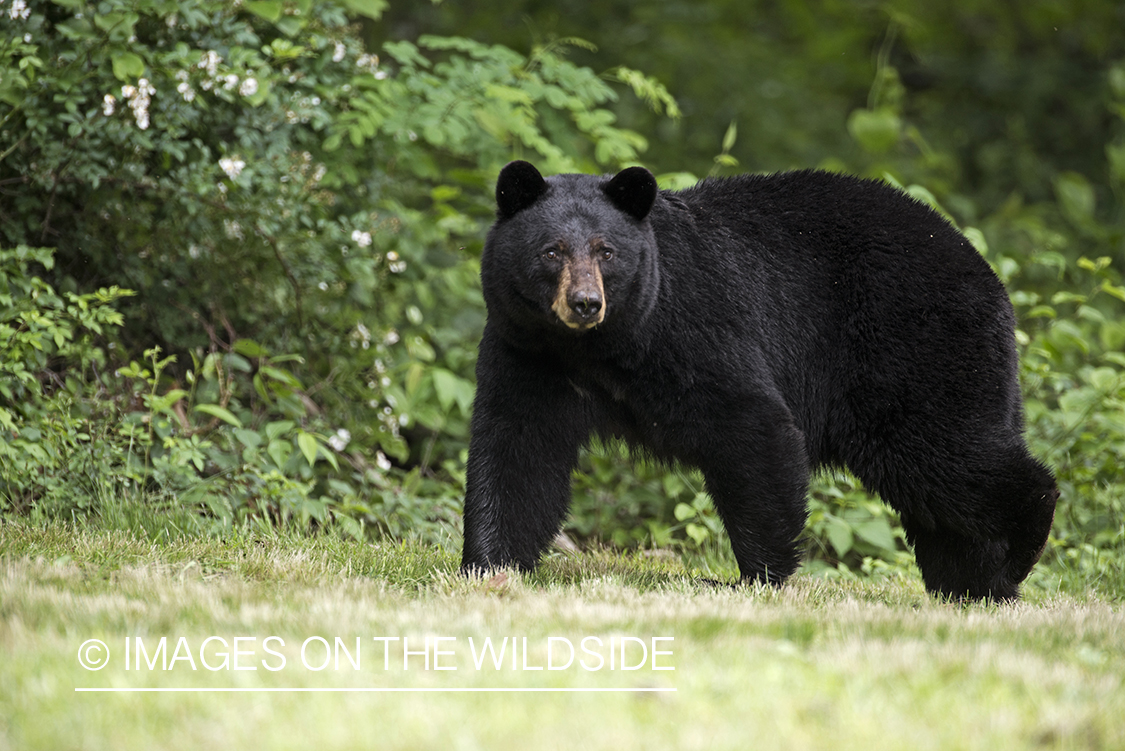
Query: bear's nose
[{"x": 585, "y": 303}]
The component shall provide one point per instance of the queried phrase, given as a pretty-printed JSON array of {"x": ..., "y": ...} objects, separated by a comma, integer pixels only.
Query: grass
[{"x": 869, "y": 664}]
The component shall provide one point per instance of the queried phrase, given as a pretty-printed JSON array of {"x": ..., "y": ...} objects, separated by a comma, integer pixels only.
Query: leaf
[
  {"x": 697, "y": 533},
  {"x": 248, "y": 438},
  {"x": 119, "y": 24},
  {"x": 281, "y": 375},
  {"x": 216, "y": 411},
  {"x": 673, "y": 485},
  {"x": 876, "y": 532},
  {"x": 279, "y": 451},
  {"x": 372, "y": 9},
  {"x": 127, "y": 66},
  {"x": 250, "y": 348},
  {"x": 1118, "y": 292},
  {"x": 308, "y": 445},
  {"x": 683, "y": 512},
  {"x": 164, "y": 402},
  {"x": 839, "y": 535},
  {"x": 291, "y": 25},
  {"x": 976, "y": 237},
  {"x": 267, "y": 9},
  {"x": 451, "y": 388},
  {"x": 237, "y": 362},
  {"x": 875, "y": 130},
  {"x": 279, "y": 428},
  {"x": 1075, "y": 196},
  {"x": 730, "y": 136}
]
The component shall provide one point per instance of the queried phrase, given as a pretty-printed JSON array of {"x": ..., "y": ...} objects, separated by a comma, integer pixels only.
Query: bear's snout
[
  {"x": 585, "y": 303},
  {"x": 580, "y": 298}
]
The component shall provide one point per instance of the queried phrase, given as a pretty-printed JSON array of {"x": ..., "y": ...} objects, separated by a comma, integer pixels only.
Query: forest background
[{"x": 240, "y": 243}]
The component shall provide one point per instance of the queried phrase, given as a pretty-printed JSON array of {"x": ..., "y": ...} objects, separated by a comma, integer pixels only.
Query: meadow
[{"x": 863, "y": 664}]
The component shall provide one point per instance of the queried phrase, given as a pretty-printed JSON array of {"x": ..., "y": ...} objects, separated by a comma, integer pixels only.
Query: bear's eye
[
  {"x": 551, "y": 255},
  {"x": 607, "y": 254}
]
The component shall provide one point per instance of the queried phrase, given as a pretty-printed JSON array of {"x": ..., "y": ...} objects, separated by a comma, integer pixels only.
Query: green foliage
[
  {"x": 266, "y": 185},
  {"x": 300, "y": 206}
]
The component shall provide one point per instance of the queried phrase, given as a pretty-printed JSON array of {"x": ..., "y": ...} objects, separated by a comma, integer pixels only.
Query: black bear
[{"x": 755, "y": 327}]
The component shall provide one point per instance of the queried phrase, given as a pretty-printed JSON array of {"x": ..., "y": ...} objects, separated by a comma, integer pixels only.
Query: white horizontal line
[{"x": 376, "y": 690}]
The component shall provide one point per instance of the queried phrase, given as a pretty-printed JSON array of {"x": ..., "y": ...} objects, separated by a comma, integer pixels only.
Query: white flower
[
  {"x": 210, "y": 62},
  {"x": 139, "y": 97},
  {"x": 231, "y": 81},
  {"x": 362, "y": 239},
  {"x": 249, "y": 87},
  {"x": 233, "y": 229},
  {"x": 340, "y": 441},
  {"x": 381, "y": 460},
  {"x": 107, "y": 104},
  {"x": 339, "y": 53},
  {"x": 232, "y": 166},
  {"x": 19, "y": 9},
  {"x": 187, "y": 91}
]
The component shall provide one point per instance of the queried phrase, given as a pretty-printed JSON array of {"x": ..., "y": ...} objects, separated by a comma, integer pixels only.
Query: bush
[{"x": 301, "y": 220}]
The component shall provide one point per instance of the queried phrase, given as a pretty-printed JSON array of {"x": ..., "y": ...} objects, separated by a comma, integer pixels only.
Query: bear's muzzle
[{"x": 580, "y": 299}]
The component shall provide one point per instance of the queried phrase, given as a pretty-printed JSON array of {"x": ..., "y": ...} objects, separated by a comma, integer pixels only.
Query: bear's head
[{"x": 570, "y": 253}]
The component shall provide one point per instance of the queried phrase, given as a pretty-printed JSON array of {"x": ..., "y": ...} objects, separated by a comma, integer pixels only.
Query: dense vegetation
[{"x": 239, "y": 244}]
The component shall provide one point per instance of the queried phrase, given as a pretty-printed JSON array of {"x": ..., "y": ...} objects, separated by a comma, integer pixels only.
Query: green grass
[{"x": 837, "y": 665}]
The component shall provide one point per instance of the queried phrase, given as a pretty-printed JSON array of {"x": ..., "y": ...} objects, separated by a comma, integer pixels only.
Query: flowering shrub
[{"x": 300, "y": 218}]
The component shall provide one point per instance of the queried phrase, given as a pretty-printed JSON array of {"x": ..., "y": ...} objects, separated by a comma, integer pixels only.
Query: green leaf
[
  {"x": 876, "y": 532},
  {"x": 216, "y": 411},
  {"x": 683, "y": 512},
  {"x": 875, "y": 130},
  {"x": 291, "y": 25},
  {"x": 248, "y": 438},
  {"x": 730, "y": 136},
  {"x": 839, "y": 535},
  {"x": 283, "y": 376},
  {"x": 308, "y": 445},
  {"x": 127, "y": 66},
  {"x": 267, "y": 9},
  {"x": 697, "y": 533},
  {"x": 976, "y": 237},
  {"x": 1076, "y": 197},
  {"x": 279, "y": 428},
  {"x": 451, "y": 388},
  {"x": 279, "y": 451},
  {"x": 119, "y": 24},
  {"x": 250, "y": 348}
]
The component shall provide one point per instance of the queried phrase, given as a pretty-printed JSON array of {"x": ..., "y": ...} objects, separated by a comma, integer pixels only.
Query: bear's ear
[
  {"x": 518, "y": 186},
  {"x": 633, "y": 190}
]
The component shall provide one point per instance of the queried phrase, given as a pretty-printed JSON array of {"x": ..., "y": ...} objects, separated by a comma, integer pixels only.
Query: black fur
[{"x": 757, "y": 327}]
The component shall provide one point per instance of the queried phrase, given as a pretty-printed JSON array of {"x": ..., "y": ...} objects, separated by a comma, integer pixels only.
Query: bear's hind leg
[
  {"x": 984, "y": 546},
  {"x": 959, "y": 567}
]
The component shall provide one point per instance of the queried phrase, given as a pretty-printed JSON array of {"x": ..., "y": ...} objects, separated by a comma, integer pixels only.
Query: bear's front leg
[
  {"x": 757, "y": 476},
  {"x": 528, "y": 424}
]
